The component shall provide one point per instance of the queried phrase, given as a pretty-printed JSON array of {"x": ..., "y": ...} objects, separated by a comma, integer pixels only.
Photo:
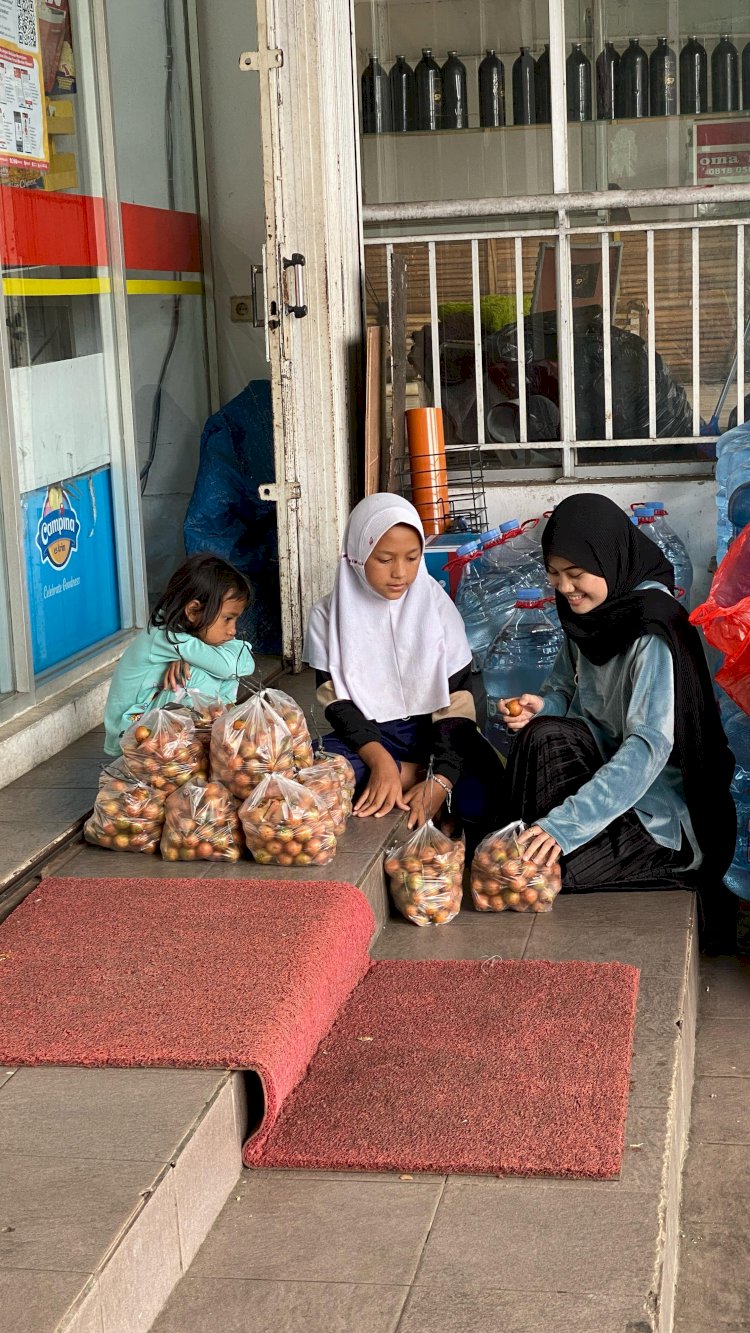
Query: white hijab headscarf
[{"x": 391, "y": 659}]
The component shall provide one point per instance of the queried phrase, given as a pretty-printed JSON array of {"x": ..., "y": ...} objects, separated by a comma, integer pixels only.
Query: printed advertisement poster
[
  {"x": 23, "y": 123},
  {"x": 71, "y": 567},
  {"x": 722, "y": 151}
]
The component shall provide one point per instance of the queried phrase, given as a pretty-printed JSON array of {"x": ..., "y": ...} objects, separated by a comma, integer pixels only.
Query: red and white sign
[
  {"x": 23, "y": 117},
  {"x": 722, "y": 151}
]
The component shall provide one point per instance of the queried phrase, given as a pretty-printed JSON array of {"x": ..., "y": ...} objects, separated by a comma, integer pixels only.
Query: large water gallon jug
[
  {"x": 739, "y": 503},
  {"x": 471, "y": 601},
  {"x": 520, "y": 658},
  {"x": 732, "y": 445},
  {"x": 513, "y": 560},
  {"x": 643, "y": 518},
  {"x": 674, "y": 548},
  {"x": 737, "y": 727}
]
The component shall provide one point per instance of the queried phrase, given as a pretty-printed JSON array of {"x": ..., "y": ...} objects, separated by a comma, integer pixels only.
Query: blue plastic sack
[{"x": 226, "y": 517}]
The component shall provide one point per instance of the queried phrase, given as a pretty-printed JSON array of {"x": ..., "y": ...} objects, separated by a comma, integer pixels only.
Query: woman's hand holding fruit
[{"x": 517, "y": 713}]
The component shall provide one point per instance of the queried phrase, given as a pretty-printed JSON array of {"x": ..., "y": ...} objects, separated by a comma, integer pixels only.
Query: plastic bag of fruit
[
  {"x": 128, "y": 816},
  {"x": 345, "y": 771},
  {"x": 248, "y": 743},
  {"x": 426, "y": 874},
  {"x": 501, "y": 879},
  {"x": 287, "y": 825},
  {"x": 202, "y": 824},
  {"x": 290, "y": 712},
  {"x": 324, "y": 779},
  {"x": 162, "y": 750},
  {"x": 204, "y": 709}
]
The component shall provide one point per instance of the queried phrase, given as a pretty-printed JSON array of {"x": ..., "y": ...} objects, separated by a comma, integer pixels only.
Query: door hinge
[
  {"x": 273, "y": 492},
  {"x": 259, "y": 61}
]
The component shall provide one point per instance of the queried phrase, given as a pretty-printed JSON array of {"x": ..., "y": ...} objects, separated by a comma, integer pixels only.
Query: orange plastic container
[{"x": 429, "y": 474}]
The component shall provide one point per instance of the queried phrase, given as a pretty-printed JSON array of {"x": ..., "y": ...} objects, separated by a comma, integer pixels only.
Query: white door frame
[{"x": 310, "y": 165}]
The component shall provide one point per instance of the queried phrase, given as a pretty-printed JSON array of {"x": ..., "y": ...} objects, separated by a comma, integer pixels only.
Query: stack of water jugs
[
  {"x": 508, "y": 608},
  {"x": 733, "y": 503}
]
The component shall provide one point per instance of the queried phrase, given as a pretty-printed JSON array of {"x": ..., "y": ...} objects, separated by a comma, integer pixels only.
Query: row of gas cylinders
[{"x": 628, "y": 85}]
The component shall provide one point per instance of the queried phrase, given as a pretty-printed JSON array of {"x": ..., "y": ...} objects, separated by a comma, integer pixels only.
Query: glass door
[{"x": 61, "y": 270}]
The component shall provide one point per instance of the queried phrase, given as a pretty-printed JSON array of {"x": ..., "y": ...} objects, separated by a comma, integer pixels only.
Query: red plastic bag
[{"x": 725, "y": 619}]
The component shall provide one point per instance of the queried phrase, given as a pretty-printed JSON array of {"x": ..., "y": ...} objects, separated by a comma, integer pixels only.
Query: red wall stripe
[
  {"x": 68, "y": 230},
  {"x": 161, "y": 241},
  {"x": 41, "y": 228}
]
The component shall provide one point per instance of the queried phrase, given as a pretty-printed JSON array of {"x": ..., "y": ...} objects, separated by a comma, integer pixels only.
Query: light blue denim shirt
[{"x": 628, "y": 706}]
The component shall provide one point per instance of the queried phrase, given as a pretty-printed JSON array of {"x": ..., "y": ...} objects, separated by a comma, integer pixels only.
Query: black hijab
[{"x": 593, "y": 533}]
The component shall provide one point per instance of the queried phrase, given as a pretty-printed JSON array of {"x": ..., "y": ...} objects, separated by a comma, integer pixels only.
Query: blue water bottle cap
[
  {"x": 468, "y": 548},
  {"x": 490, "y": 536},
  {"x": 510, "y": 525},
  {"x": 529, "y": 595}
]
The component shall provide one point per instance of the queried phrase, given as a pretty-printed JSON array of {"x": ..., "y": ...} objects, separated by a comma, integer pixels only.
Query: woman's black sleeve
[{"x": 348, "y": 721}]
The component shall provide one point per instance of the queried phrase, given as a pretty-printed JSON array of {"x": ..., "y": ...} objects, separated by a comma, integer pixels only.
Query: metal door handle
[
  {"x": 297, "y": 263},
  {"x": 256, "y": 271}
]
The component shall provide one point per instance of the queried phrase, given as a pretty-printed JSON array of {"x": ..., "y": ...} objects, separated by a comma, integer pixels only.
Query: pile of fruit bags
[{"x": 191, "y": 777}]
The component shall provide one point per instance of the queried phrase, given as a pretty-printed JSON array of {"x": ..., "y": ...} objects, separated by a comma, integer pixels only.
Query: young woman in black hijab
[{"x": 620, "y": 767}]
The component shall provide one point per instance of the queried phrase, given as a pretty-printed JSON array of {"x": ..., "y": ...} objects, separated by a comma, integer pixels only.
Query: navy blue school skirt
[{"x": 477, "y": 796}]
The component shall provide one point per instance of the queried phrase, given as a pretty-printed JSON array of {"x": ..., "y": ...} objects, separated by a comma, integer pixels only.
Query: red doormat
[
  {"x": 503, "y": 1067},
  {"x": 220, "y": 973}
]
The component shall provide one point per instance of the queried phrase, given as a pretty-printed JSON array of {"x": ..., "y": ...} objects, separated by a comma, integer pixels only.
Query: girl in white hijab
[{"x": 393, "y": 670}]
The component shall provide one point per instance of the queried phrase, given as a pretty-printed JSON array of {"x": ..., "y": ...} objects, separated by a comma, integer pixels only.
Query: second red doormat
[{"x": 518, "y": 1068}]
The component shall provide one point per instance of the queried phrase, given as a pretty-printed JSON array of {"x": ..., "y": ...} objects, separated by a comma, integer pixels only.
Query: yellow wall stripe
[
  {"x": 56, "y": 286},
  {"x": 98, "y": 287},
  {"x": 148, "y": 287}
]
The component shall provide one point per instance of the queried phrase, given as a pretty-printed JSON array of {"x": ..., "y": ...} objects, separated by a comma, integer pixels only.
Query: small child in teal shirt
[{"x": 190, "y": 640}]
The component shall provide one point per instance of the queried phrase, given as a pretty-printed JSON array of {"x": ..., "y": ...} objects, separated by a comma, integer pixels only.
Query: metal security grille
[{"x": 590, "y": 290}]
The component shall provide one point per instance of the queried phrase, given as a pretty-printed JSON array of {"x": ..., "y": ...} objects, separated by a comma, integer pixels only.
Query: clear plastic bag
[
  {"x": 501, "y": 879},
  {"x": 204, "y": 709},
  {"x": 426, "y": 874},
  {"x": 290, "y": 712},
  {"x": 202, "y": 824},
  {"x": 341, "y": 764},
  {"x": 324, "y": 779},
  {"x": 128, "y": 816},
  {"x": 248, "y": 743},
  {"x": 287, "y": 825},
  {"x": 162, "y": 750}
]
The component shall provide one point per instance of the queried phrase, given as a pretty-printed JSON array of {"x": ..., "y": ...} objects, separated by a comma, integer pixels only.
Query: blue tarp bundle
[{"x": 226, "y": 516}]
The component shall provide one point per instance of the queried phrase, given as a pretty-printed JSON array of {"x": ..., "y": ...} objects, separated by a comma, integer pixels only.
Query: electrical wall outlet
[{"x": 241, "y": 308}]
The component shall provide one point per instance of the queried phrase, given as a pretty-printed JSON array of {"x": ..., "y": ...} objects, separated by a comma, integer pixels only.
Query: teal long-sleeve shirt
[
  {"x": 137, "y": 681},
  {"x": 628, "y": 706}
]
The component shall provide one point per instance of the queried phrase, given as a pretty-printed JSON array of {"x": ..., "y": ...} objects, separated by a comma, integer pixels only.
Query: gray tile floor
[{"x": 713, "y": 1292}]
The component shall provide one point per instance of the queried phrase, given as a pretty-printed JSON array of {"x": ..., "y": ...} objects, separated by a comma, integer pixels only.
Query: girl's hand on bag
[
  {"x": 424, "y": 801},
  {"x": 176, "y": 676},
  {"x": 383, "y": 792},
  {"x": 539, "y": 847},
  {"x": 530, "y": 705}
]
